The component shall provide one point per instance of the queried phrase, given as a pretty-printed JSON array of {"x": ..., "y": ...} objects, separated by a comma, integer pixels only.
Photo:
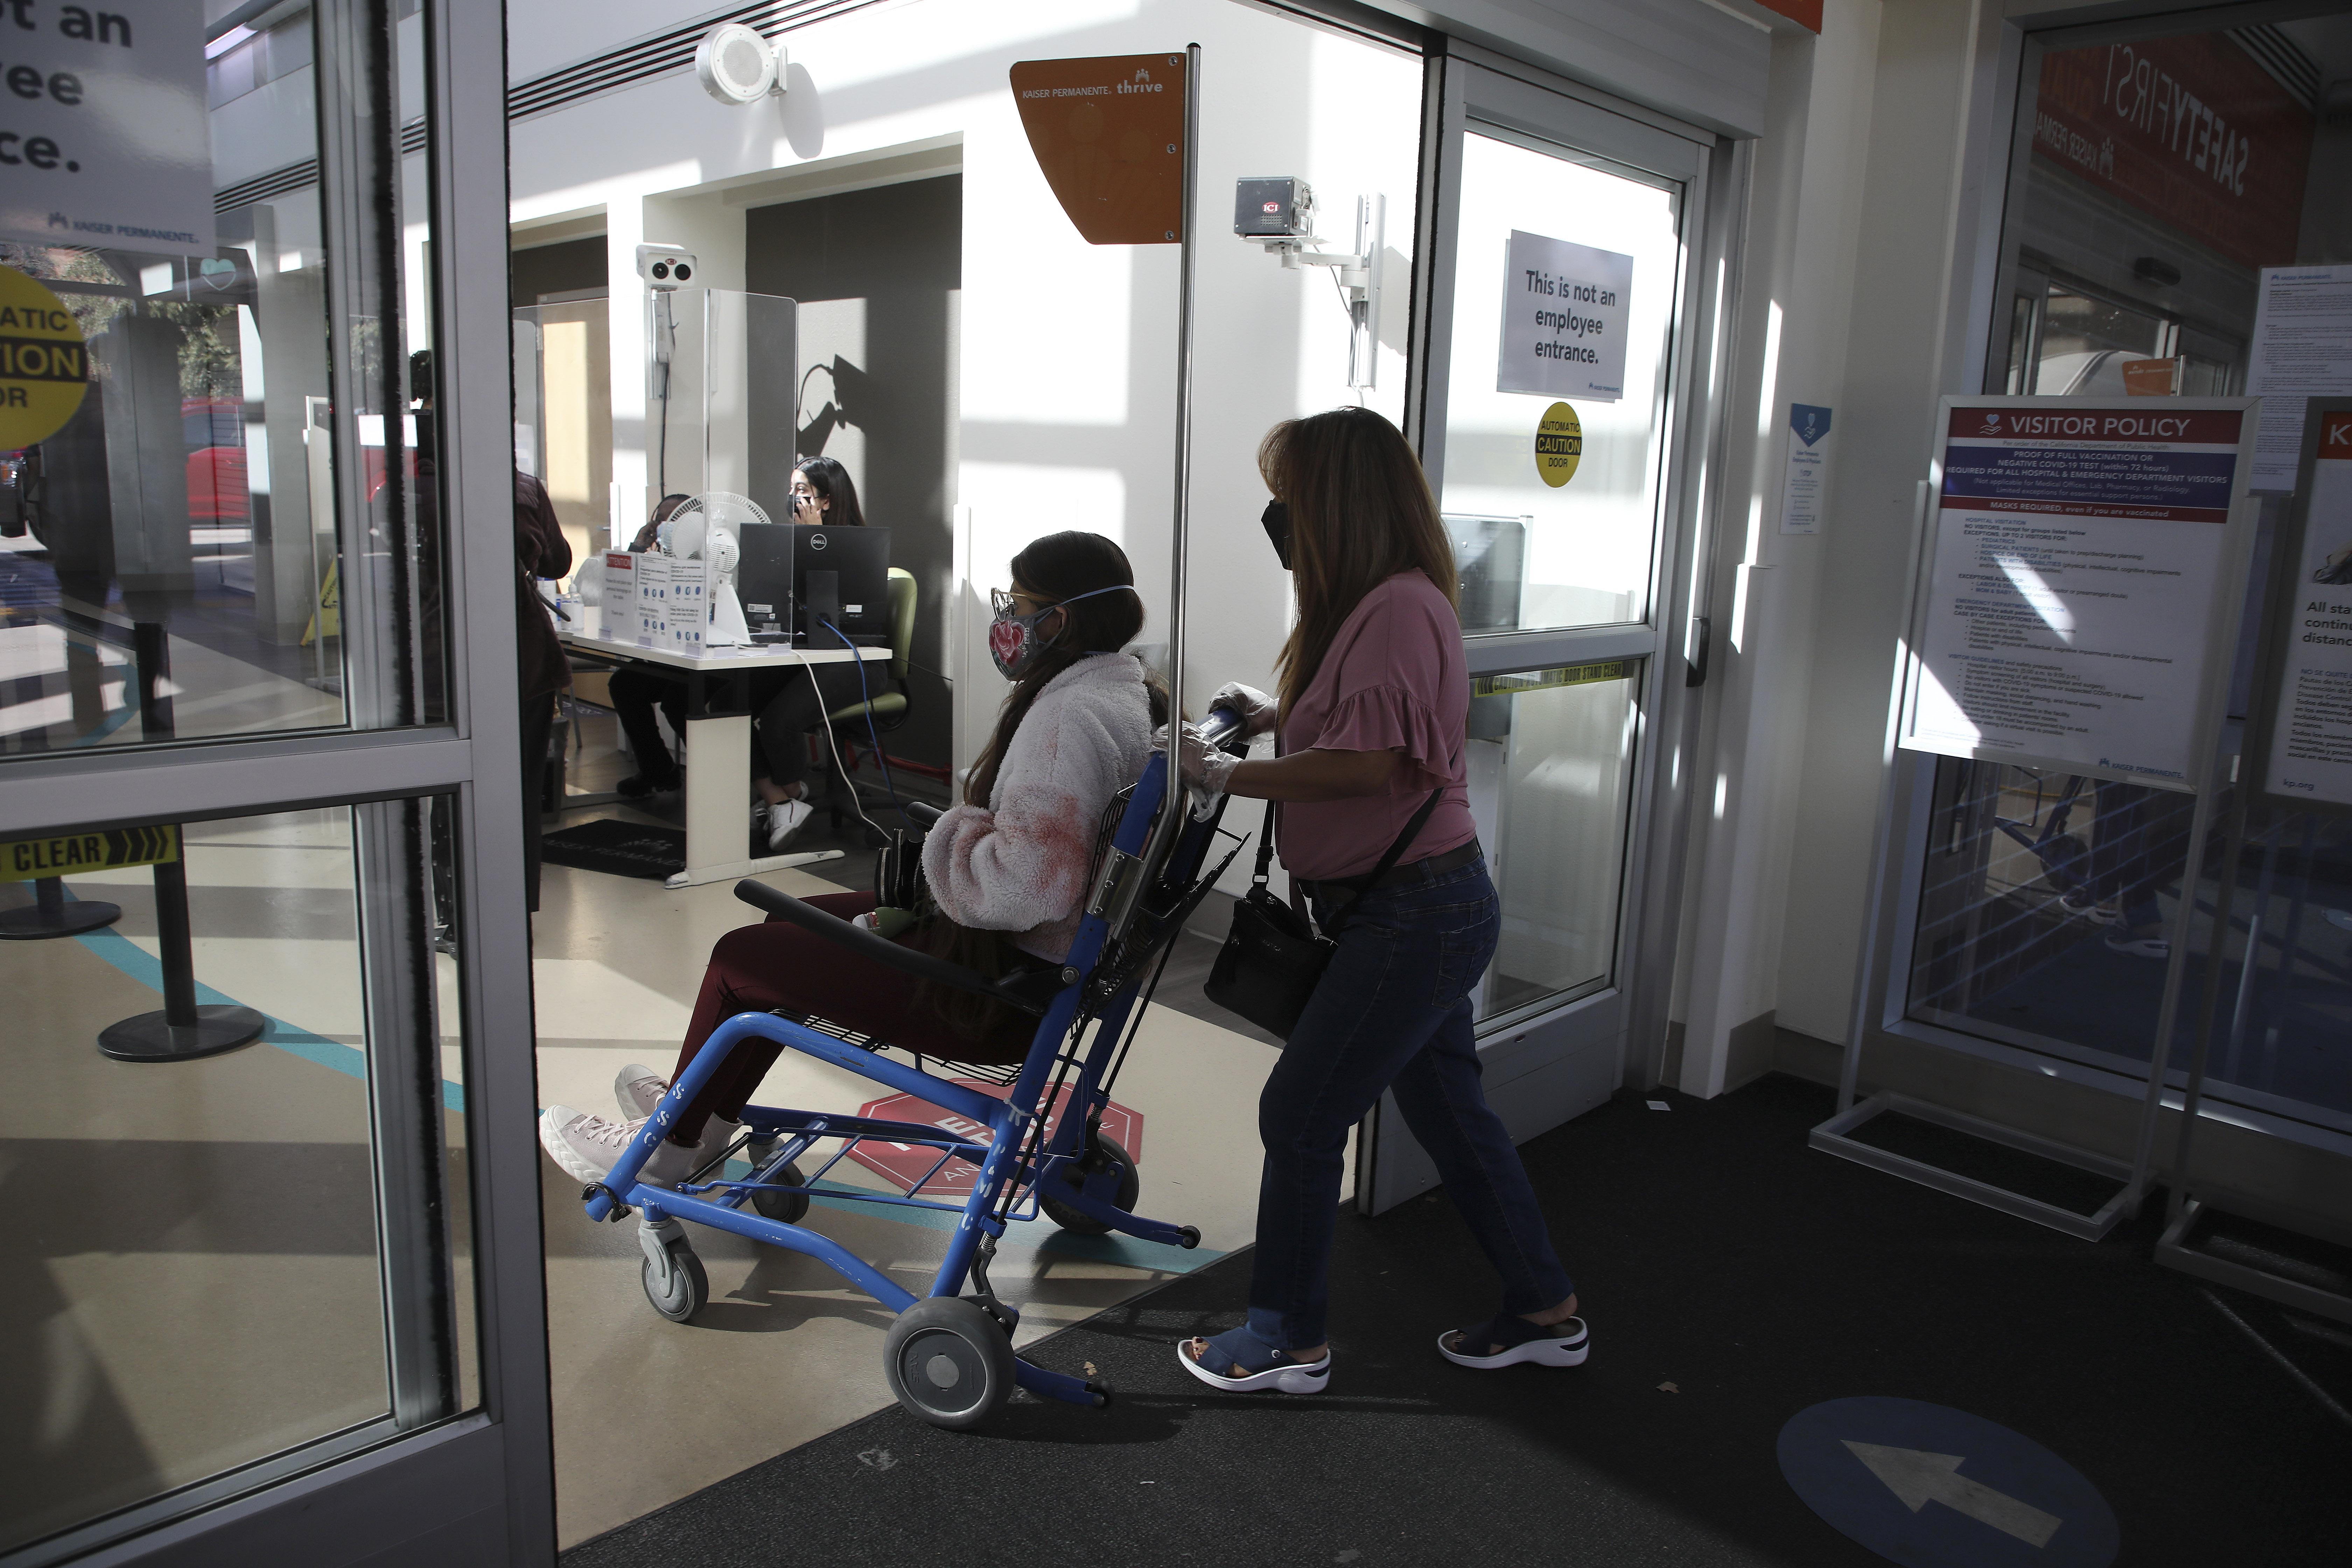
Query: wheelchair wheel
[
  {"x": 949, "y": 1363},
  {"x": 1130, "y": 1187},
  {"x": 785, "y": 1208},
  {"x": 678, "y": 1292}
]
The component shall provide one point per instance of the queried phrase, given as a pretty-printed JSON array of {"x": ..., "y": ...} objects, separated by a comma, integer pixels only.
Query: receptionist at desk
[{"x": 798, "y": 700}]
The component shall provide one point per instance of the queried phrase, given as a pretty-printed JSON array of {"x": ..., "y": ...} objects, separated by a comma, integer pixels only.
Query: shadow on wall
[{"x": 875, "y": 273}]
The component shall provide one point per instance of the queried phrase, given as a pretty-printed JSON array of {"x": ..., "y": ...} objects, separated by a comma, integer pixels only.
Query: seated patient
[{"x": 1007, "y": 869}]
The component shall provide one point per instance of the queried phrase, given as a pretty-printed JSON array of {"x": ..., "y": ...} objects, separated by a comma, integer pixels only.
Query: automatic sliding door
[
  {"x": 276, "y": 1290},
  {"x": 1561, "y": 311}
]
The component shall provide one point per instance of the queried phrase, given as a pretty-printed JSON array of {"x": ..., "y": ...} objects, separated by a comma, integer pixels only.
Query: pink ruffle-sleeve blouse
[{"x": 1394, "y": 679}]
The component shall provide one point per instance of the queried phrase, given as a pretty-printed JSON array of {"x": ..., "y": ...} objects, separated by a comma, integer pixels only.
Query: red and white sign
[
  {"x": 2188, "y": 129},
  {"x": 906, "y": 1163}
]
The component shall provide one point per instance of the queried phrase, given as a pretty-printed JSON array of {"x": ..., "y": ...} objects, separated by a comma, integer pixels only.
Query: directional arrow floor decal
[
  {"x": 1930, "y": 1487},
  {"x": 1919, "y": 1478}
]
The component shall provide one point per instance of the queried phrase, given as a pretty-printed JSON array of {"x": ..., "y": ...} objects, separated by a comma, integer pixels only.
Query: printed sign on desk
[
  {"x": 2084, "y": 570},
  {"x": 2307, "y": 742},
  {"x": 1565, "y": 306},
  {"x": 107, "y": 141}
]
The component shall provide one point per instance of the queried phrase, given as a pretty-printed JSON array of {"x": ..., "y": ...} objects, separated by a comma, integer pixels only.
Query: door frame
[
  {"x": 478, "y": 1488},
  {"x": 1624, "y": 1023}
]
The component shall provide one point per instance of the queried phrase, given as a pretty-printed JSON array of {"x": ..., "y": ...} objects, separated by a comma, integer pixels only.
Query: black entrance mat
[
  {"x": 1732, "y": 1278},
  {"x": 621, "y": 848}
]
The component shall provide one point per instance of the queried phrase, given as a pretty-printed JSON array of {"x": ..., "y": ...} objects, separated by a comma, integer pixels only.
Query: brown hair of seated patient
[
  {"x": 1058, "y": 567},
  {"x": 777, "y": 965}
]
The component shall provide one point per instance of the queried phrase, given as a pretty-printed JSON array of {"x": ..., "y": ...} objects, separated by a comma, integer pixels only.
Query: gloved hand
[
  {"x": 1203, "y": 768},
  {"x": 1257, "y": 712}
]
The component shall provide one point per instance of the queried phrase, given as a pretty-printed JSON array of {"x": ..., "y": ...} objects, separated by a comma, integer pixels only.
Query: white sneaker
[
  {"x": 588, "y": 1147},
  {"x": 638, "y": 1090},
  {"x": 785, "y": 820}
]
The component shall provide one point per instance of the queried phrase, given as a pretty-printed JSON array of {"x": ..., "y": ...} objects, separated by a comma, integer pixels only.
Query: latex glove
[
  {"x": 1257, "y": 710},
  {"x": 1203, "y": 768}
]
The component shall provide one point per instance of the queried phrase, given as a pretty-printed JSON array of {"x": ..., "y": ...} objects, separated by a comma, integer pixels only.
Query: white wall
[
  {"x": 1069, "y": 350},
  {"x": 1805, "y": 213}
]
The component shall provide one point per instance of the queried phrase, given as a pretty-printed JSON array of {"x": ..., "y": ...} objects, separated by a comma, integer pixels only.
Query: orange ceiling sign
[{"x": 1110, "y": 135}]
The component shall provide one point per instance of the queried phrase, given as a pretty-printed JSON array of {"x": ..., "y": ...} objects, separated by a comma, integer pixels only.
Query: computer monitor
[{"x": 788, "y": 571}]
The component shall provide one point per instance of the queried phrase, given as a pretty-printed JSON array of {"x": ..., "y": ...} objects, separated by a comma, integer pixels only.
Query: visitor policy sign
[
  {"x": 1564, "y": 312},
  {"x": 104, "y": 139}
]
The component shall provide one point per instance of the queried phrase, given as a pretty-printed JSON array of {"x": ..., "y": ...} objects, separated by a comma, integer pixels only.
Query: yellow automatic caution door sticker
[
  {"x": 1560, "y": 444},
  {"x": 44, "y": 364}
]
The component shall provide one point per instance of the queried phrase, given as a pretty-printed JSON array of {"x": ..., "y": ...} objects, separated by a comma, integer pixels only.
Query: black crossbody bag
[{"x": 1274, "y": 958}]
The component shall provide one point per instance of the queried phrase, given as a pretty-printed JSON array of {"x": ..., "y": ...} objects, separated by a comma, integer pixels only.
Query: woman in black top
[{"x": 823, "y": 492}]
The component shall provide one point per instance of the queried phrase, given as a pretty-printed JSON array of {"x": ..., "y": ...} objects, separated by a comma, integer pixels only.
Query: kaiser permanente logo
[{"x": 1142, "y": 83}]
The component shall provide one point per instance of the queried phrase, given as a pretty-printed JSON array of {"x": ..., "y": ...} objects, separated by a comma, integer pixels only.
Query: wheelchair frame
[{"x": 1126, "y": 930}]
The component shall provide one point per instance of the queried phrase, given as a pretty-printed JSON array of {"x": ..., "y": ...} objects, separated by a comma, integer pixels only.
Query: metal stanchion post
[
  {"x": 183, "y": 1029},
  {"x": 51, "y": 915}
]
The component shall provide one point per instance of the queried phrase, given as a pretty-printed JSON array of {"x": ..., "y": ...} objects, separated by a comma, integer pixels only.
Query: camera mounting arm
[{"x": 1279, "y": 215}]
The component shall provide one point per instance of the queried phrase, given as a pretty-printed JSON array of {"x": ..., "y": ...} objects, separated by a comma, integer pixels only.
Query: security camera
[
  {"x": 1274, "y": 208},
  {"x": 666, "y": 267},
  {"x": 1279, "y": 215}
]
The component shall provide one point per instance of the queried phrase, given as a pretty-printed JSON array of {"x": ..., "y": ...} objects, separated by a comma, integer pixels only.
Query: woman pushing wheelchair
[
  {"x": 1375, "y": 825},
  {"x": 1006, "y": 869}
]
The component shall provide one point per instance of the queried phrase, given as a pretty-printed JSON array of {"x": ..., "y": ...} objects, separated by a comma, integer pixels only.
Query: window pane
[
  {"x": 197, "y": 545},
  {"x": 1585, "y": 543},
  {"x": 1551, "y": 770},
  {"x": 222, "y": 1248}
]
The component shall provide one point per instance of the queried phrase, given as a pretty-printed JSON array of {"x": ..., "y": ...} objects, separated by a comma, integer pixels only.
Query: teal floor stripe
[
  {"x": 1041, "y": 1234},
  {"x": 147, "y": 970}
]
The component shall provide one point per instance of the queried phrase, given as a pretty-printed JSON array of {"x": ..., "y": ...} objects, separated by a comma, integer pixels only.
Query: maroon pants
[{"x": 757, "y": 968}]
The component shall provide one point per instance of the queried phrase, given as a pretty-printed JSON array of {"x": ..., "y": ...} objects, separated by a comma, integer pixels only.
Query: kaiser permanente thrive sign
[{"x": 1564, "y": 312}]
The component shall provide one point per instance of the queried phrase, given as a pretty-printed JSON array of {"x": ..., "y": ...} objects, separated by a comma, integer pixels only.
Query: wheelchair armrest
[
  {"x": 878, "y": 948},
  {"x": 923, "y": 814}
]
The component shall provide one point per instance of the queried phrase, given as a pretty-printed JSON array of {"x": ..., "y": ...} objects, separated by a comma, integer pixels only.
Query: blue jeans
[{"x": 1392, "y": 1012}]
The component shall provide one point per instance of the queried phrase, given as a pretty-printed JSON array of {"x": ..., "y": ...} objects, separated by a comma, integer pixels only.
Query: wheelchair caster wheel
[
  {"x": 785, "y": 1208},
  {"x": 1130, "y": 1187},
  {"x": 678, "y": 1292},
  {"x": 949, "y": 1363}
]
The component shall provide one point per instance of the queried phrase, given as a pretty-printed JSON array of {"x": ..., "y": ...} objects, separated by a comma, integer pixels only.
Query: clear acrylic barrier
[{"x": 721, "y": 387}]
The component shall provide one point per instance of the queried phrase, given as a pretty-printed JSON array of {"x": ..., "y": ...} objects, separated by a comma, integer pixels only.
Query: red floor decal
[{"x": 905, "y": 1163}]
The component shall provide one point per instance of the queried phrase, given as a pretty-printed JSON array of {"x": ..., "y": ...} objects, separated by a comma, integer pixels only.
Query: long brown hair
[
  {"x": 1361, "y": 512},
  {"x": 1057, "y": 567}
]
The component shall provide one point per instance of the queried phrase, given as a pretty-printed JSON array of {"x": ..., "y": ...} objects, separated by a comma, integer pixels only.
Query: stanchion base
[
  {"x": 150, "y": 1037},
  {"x": 28, "y": 924}
]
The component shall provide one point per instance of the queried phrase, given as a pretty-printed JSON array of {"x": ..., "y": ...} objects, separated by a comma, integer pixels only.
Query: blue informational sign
[
  {"x": 1930, "y": 1487},
  {"x": 1808, "y": 421}
]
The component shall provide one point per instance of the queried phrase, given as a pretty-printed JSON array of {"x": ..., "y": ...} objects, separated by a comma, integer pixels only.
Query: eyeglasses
[{"x": 1000, "y": 601}]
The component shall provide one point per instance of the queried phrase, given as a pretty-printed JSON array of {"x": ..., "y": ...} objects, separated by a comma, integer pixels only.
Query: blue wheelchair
[{"x": 949, "y": 1355}]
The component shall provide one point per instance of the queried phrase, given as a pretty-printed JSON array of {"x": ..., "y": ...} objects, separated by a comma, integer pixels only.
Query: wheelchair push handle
[
  {"x": 923, "y": 814},
  {"x": 1223, "y": 725}
]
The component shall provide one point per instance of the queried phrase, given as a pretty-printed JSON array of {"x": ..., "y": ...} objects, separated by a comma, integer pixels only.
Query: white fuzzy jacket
[{"x": 1021, "y": 865}]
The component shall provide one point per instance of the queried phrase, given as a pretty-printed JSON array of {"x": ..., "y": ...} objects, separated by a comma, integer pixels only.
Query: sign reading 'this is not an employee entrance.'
[
  {"x": 104, "y": 138},
  {"x": 1564, "y": 311},
  {"x": 2083, "y": 575}
]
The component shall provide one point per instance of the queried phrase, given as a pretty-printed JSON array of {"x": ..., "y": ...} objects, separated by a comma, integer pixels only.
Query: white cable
[{"x": 834, "y": 741}]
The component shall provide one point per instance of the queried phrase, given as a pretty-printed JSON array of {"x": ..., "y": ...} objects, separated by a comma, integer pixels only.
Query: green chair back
[{"x": 902, "y": 621}]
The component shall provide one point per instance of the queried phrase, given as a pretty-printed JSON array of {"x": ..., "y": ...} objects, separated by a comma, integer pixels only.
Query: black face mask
[{"x": 1276, "y": 521}]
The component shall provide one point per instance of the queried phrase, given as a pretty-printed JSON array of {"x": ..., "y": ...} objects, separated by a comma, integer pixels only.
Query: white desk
[{"x": 717, "y": 803}]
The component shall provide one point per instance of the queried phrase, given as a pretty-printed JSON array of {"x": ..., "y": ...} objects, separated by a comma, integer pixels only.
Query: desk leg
[{"x": 718, "y": 805}]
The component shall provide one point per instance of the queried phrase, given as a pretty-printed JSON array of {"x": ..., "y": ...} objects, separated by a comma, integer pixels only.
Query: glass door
[
  {"x": 274, "y": 1287},
  {"x": 1560, "y": 312}
]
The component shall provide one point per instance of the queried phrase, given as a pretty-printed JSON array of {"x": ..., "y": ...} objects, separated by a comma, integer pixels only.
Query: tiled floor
[{"x": 203, "y": 1287}]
